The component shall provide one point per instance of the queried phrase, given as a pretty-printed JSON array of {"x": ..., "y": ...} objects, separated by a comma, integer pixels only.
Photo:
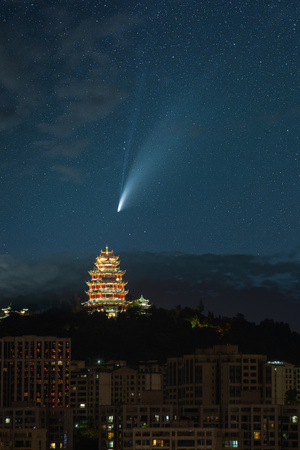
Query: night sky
[
  {"x": 157, "y": 128},
  {"x": 188, "y": 108}
]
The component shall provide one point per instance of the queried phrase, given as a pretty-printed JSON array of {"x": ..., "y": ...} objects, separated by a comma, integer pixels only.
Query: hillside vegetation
[{"x": 164, "y": 333}]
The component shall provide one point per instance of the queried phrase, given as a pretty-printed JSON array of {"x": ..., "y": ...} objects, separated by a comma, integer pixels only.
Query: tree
[{"x": 290, "y": 397}]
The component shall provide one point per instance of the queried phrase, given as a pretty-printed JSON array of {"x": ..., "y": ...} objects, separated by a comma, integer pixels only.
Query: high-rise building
[
  {"x": 90, "y": 387},
  {"x": 36, "y": 428},
  {"x": 285, "y": 382},
  {"x": 113, "y": 383},
  {"x": 34, "y": 393},
  {"x": 218, "y": 376},
  {"x": 243, "y": 427},
  {"x": 35, "y": 370},
  {"x": 106, "y": 288}
]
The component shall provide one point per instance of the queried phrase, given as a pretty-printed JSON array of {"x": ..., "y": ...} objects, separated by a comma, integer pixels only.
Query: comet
[
  {"x": 133, "y": 124},
  {"x": 145, "y": 170},
  {"x": 152, "y": 159},
  {"x": 120, "y": 203},
  {"x": 131, "y": 185}
]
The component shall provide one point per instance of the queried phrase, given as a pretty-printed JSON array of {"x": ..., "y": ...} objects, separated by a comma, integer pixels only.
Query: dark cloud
[
  {"x": 11, "y": 63},
  {"x": 88, "y": 92},
  {"x": 259, "y": 288},
  {"x": 33, "y": 279},
  {"x": 68, "y": 173},
  {"x": 22, "y": 70},
  {"x": 9, "y": 118},
  {"x": 69, "y": 149},
  {"x": 78, "y": 41},
  {"x": 87, "y": 101}
]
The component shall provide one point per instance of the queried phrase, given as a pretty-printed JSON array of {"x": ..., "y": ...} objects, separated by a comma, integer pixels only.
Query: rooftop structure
[{"x": 141, "y": 304}]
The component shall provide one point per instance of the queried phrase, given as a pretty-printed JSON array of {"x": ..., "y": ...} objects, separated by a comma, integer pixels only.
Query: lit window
[
  {"x": 52, "y": 445},
  {"x": 82, "y": 405},
  {"x": 7, "y": 419},
  {"x": 295, "y": 419},
  {"x": 231, "y": 444},
  {"x": 256, "y": 435}
]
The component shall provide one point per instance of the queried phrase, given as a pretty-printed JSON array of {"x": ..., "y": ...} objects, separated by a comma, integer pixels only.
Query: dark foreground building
[
  {"x": 217, "y": 398},
  {"x": 34, "y": 393},
  {"x": 245, "y": 426},
  {"x": 214, "y": 399}
]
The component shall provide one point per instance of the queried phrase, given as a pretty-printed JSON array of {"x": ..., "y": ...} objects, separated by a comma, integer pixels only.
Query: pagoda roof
[
  {"x": 112, "y": 271},
  {"x": 109, "y": 291},
  {"x": 105, "y": 292},
  {"x": 103, "y": 301},
  {"x": 108, "y": 259},
  {"x": 120, "y": 283},
  {"x": 107, "y": 255}
]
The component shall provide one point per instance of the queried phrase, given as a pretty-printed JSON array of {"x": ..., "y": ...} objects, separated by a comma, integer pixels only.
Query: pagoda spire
[{"x": 106, "y": 290}]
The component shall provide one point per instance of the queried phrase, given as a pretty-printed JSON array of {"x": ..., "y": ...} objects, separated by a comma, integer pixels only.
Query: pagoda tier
[{"x": 106, "y": 290}]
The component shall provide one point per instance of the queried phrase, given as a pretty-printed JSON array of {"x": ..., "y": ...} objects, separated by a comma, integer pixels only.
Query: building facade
[
  {"x": 113, "y": 383},
  {"x": 36, "y": 428},
  {"x": 218, "y": 375},
  {"x": 285, "y": 382},
  {"x": 34, "y": 393},
  {"x": 214, "y": 399},
  {"x": 90, "y": 387},
  {"x": 244, "y": 427},
  {"x": 35, "y": 369}
]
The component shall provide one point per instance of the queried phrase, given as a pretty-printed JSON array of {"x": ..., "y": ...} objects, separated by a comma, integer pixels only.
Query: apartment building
[
  {"x": 218, "y": 375},
  {"x": 246, "y": 427},
  {"x": 35, "y": 369},
  {"x": 130, "y": 385},
  {"x": 285, "y": 378},
  {"x": 34, "y": 393},
  {"x": 90, "y": 386},
  {"x": 113, "y": 383},
  {"x": 36, "y": 428}
]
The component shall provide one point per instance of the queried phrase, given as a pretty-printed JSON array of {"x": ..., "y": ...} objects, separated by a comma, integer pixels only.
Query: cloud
[
  {"x": 90, "y": 98},
  {"x": 259, "y": 288},
  {"x": 22, "y": 70},
  {"x": 9, "y": 118},
  {"x": 78, "y": 41},
  {"x": 69, "y": 149},
  {"x": 33, "y": 279},
  {"x": 67, "y": 173},
  {"x": 10, "y": 67},
  {"x": 87, "y": 101},
  {"x": 31, "y": 68}
]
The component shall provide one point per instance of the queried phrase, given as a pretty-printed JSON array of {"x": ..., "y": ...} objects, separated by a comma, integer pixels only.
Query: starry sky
[{"x": 182, "y": 114}]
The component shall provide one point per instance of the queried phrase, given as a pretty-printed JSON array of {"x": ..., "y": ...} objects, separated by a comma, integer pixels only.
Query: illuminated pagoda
[
  {"x": 106, "y": 288},
  {"x": 142, "y": 304}
]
